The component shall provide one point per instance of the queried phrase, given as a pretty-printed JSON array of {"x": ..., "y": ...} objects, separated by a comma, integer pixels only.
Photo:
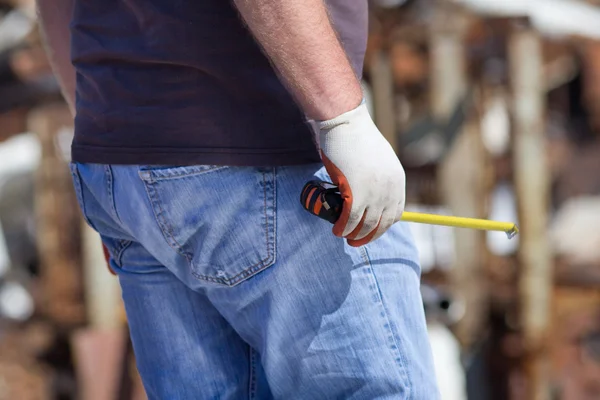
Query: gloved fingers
[
  {"x": 354, "y": 219},
  {"x": 368, "y": 223},
  {"x": 387, "y": 220},
  {"x": 340, "y": 180}
]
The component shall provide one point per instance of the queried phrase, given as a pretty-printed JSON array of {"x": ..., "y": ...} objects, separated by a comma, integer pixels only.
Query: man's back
[
  {"x": 231, "y": 289},
  {"x": 184, "y": 82}
]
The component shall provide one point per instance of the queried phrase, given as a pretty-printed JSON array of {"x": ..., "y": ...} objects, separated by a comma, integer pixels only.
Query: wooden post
[
  {"x": 461, "y": 173},
  {"x": 382, "y": 86},
  {"x": 532, "y": 182},
  {"x": 57, "y": 216}
]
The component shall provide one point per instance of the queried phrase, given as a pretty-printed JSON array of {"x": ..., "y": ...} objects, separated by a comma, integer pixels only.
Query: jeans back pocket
[{"x": 221, "y": 219}]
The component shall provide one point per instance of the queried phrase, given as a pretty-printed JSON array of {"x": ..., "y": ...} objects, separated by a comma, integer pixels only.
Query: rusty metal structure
[{"x": 476, "y": 55}]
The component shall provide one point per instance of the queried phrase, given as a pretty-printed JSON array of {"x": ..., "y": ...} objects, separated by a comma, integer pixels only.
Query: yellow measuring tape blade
[{"x": 510, "y": 228}]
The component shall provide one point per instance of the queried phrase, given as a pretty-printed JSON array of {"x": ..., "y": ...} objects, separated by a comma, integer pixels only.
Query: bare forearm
[
  {"x": 54, "y": 17},
  {"x": 300, "y": 41}
]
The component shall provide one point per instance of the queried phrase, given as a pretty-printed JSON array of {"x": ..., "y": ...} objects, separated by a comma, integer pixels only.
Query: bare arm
[
  {"x": 300, "y": 41},
  {"x": 55, "y": 17}
]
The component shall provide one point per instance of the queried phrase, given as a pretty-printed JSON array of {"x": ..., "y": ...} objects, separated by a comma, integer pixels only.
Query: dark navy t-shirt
[{"x": 183, "y": 82}]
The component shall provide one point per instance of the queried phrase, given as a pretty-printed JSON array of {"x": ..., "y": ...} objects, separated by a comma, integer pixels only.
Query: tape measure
[{"x": 324, "y": 200}]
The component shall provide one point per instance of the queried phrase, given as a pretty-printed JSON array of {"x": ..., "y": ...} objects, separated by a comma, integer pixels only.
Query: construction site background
[{"x": 493, "y": 107}]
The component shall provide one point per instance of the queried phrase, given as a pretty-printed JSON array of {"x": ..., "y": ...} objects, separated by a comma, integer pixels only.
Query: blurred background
[{"x": 493, "y": 106}]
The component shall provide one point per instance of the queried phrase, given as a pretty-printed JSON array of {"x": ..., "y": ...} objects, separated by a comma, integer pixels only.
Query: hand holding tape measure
[
  {"x": 369, "y": 191},
  {"x": 368, "y": 173},
  {"x": 323, "y": 199}
]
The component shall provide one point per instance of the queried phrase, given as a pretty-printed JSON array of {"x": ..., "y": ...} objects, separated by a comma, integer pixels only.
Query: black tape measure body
[{"x": 322, "y": 199}]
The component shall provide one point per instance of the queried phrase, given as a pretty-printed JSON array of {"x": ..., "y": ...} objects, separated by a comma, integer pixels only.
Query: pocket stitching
[
  {"x": 108, "y": 172},
  {"x": 165, "y": 228},
  {"x": 124, "y": 246},
  {"x": 396, "y": 342},
  {"x": 263, "y": 264},
  {"x": 152, "y": 176},
  {"x": 116, "y": 251},
  {"x": 168, "y": 234}
]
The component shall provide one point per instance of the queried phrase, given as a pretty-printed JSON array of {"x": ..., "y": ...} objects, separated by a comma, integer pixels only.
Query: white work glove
[{"x": 368, "y": 173}]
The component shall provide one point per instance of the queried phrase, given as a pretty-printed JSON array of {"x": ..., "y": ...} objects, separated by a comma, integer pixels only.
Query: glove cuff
[{"x": 359, "y": 112}]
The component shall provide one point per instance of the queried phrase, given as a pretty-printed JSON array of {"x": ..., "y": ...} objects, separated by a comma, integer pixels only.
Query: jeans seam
[
  {"x": 79, "y": 193},
  {"x": 399, "y": 357},
  {"x": 124, "y": 245},
  {"x": 165, "y": 228},
  {"x": 152, "y": 176},
  {"x": 116, "y": 251},
  {"x": 273, "y": 242},
  {"x": 111, "y": 191},
  {"x": 252, "y": 373}
]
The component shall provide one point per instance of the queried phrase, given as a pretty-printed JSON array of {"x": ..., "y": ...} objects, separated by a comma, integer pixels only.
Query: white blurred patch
[
  {"x": 574, "y": 233},
  {"x": 449, "y": 371},
  {"x": 495, "y": 127},
  {"x": 14, "y": 27},
  {"x": 389, "y": 3},
  {"x": 503, "y": 208},
  {"x": 424, "y": 242},
  {"x": 15, "y": 302},
  {"x": 4, "y": 258},
  {"x": 62, "y": 141},
  {"x": 556, "y": 18},
  {"x": 19, "y": 153}
]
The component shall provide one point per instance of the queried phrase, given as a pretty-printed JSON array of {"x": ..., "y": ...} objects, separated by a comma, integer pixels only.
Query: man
[{"x": 190, "y": 153}]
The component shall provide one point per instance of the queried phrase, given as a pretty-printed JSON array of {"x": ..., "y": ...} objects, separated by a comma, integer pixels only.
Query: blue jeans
[{"x": 233, "y": 291}]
